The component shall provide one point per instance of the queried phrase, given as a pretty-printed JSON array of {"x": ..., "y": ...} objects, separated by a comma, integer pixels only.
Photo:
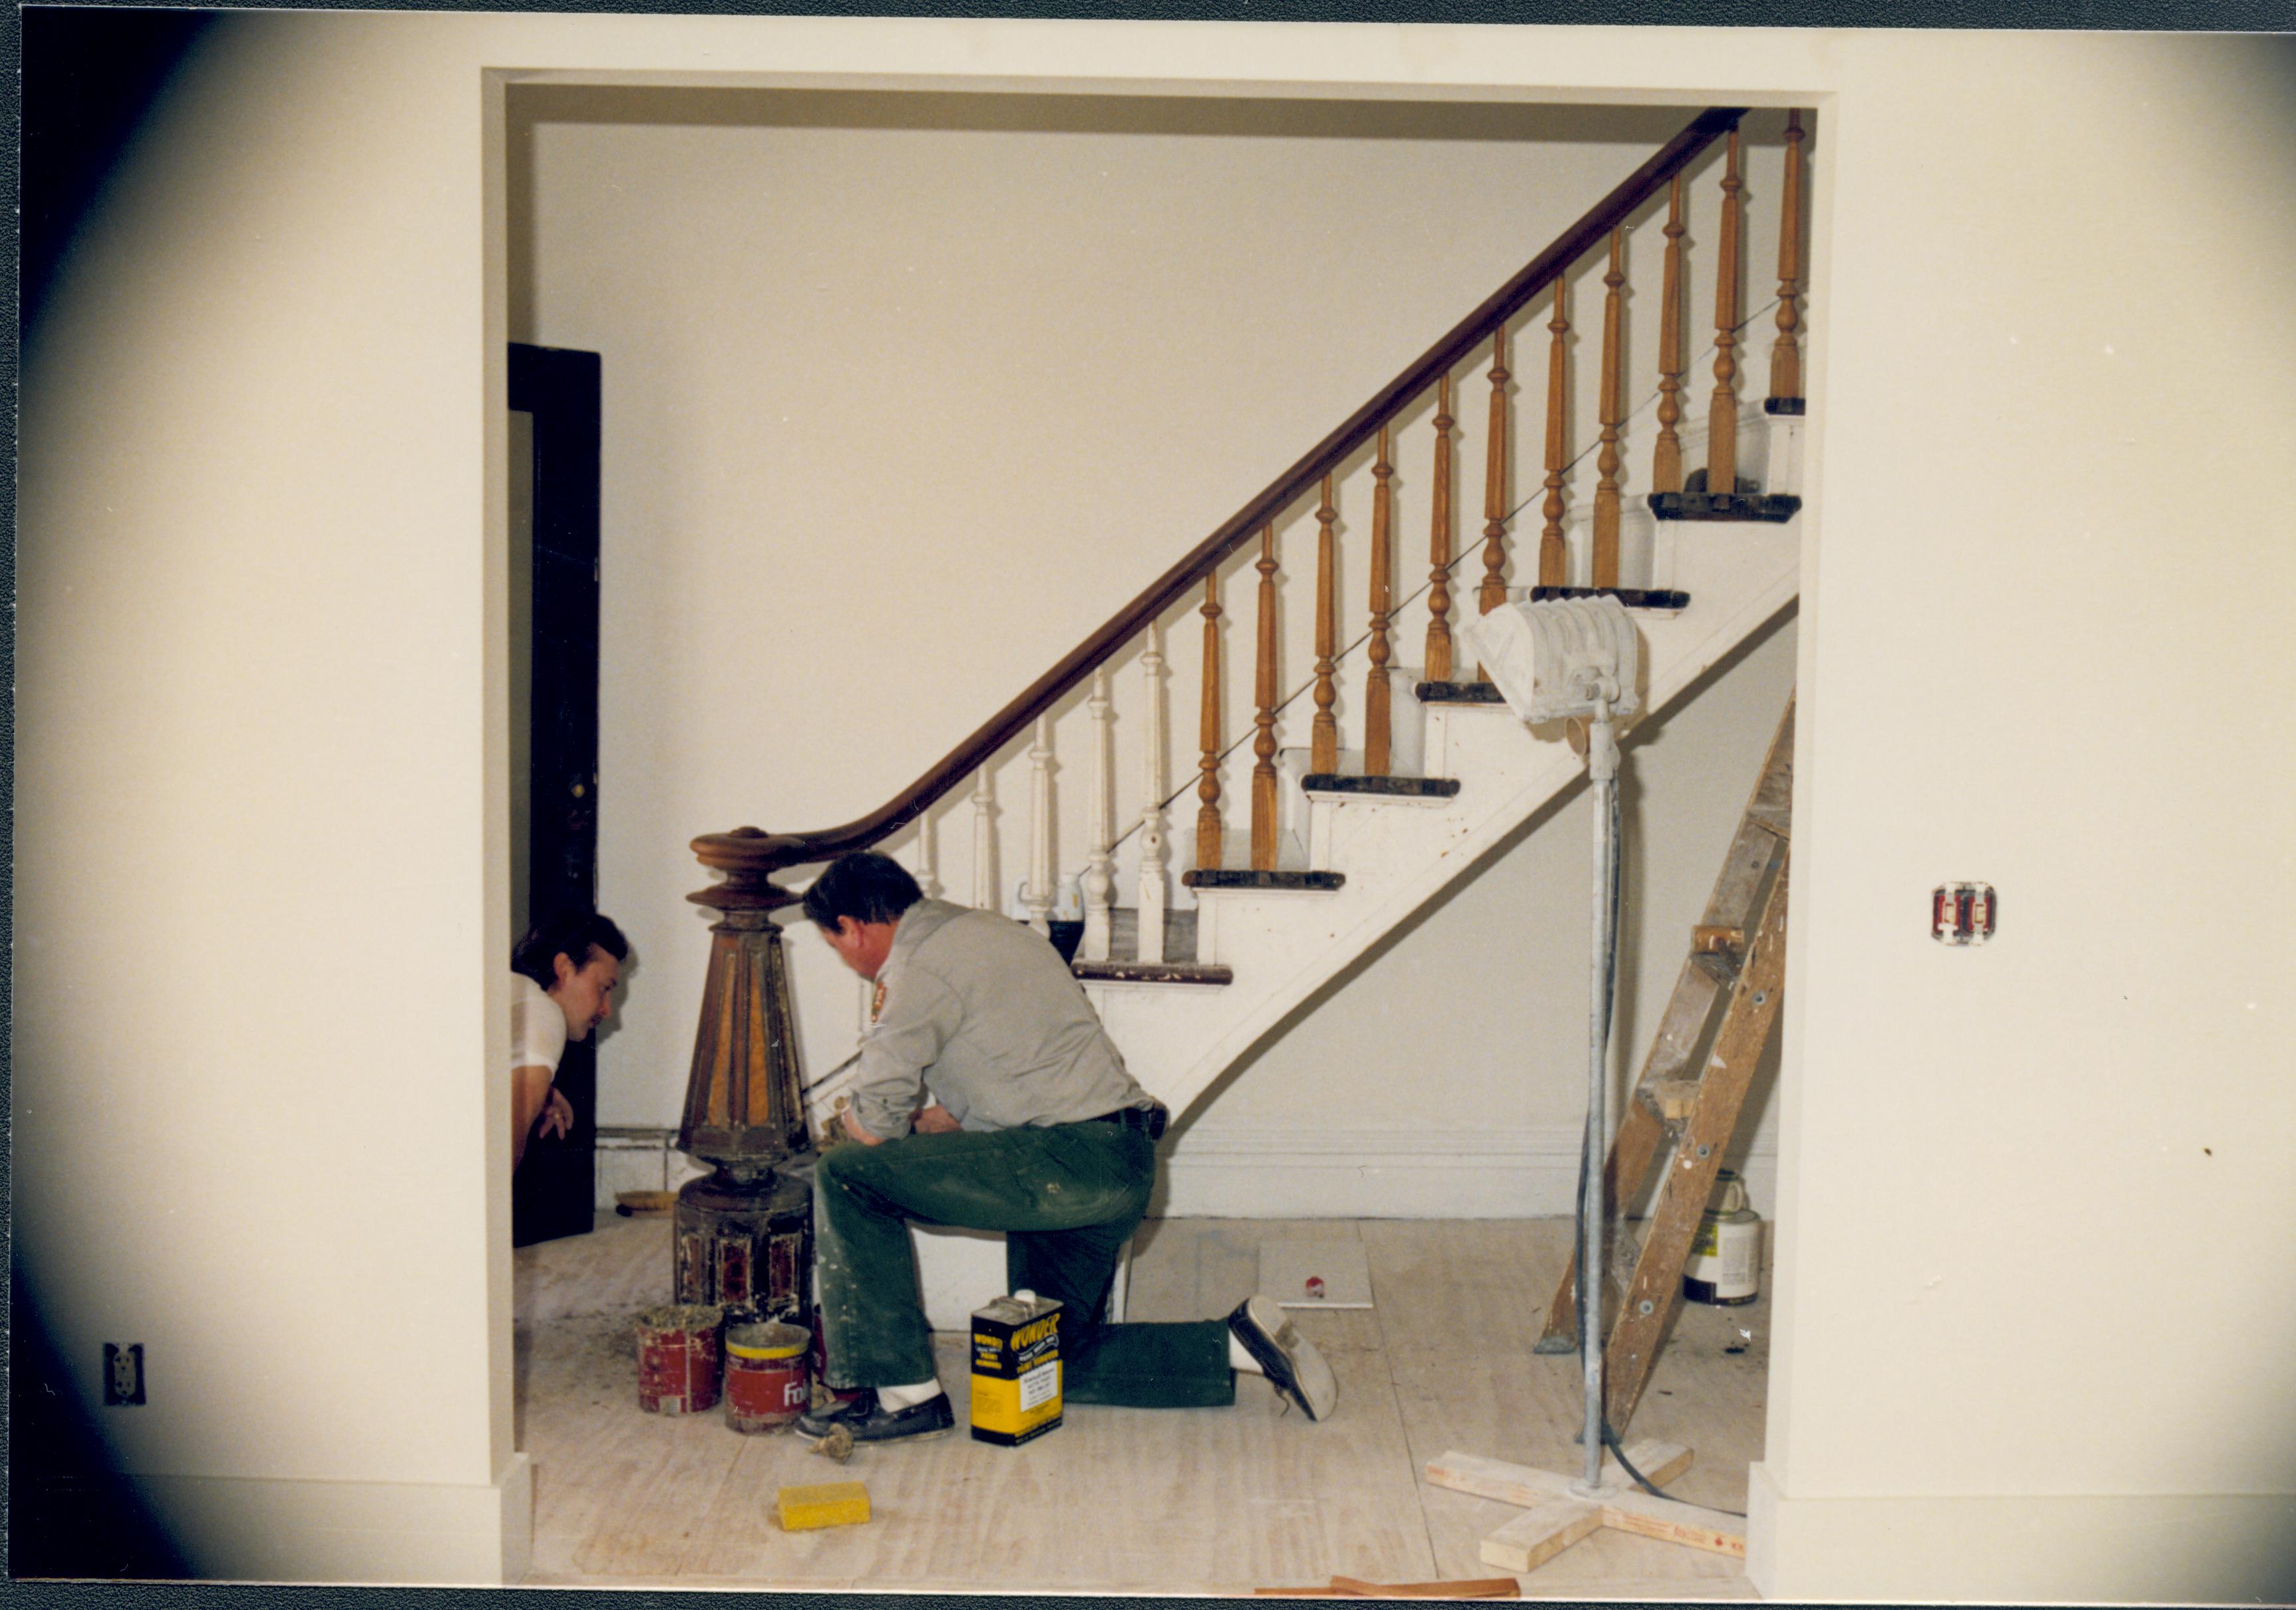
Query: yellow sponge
[{"x": 824, "y": 1504}]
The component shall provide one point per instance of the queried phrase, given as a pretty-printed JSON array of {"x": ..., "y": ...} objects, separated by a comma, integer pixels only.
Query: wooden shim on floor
[{"x": 1540, "y": 1532}]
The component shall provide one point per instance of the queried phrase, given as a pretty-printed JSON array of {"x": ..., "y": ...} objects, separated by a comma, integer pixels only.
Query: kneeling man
[{"x": 989, "y": 1098}]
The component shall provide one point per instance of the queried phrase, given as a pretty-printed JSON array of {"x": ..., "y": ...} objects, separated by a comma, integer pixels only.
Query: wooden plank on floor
[
  {"x": 1673, "y": 1522},
  {"x": 1540, "y": 1532}
]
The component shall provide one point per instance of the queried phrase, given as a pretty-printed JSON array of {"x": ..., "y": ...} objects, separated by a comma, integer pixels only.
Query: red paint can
[
  {"x": 677, "y": 1357},
  {"x": 767, "y": 1381}
]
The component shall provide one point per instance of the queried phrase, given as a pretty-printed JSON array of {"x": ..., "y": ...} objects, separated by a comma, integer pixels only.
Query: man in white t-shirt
[{"x": 563, "y": 974}]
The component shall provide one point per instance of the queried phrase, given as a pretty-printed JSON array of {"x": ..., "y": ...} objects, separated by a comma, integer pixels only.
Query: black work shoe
[
  {"x": 1293, "y": 1366},
  {"x": 868, "y": 1421}
]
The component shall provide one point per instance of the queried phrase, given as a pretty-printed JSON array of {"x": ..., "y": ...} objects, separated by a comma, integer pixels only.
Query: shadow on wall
[
  {"x": 90, "y": 76},
  {"x": 977, "y": 112},
  {"x": 70, "y": 1513}
]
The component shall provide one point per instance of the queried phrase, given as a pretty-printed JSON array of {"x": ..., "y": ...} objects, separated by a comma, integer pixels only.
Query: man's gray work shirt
[{"x": 981, "y": 1011}]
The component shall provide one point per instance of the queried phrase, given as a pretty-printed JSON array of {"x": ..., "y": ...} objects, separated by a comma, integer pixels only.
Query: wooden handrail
[{"x": 748, "y": 854}]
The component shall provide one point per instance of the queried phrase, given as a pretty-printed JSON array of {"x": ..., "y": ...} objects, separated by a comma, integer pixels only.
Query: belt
[{"x": 1149, "y": 1121}]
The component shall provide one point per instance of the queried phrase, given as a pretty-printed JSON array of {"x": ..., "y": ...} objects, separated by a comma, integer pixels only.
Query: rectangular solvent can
[{"x": 1016, "y": 1369}]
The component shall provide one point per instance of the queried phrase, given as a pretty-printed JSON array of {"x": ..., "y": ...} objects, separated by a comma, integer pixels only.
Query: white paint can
[{"x": 1725, "y": 1257}]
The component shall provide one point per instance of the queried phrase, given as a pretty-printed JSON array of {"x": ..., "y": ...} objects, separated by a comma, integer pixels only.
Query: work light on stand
[{"x": 1580, "y": 659}]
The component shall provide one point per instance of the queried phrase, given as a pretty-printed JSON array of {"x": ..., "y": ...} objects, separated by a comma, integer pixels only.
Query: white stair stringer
[{"x": 1285, "y": 946}]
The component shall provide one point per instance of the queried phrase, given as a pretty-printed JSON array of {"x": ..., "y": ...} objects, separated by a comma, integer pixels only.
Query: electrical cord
[{"x": 1609, "y": 963}]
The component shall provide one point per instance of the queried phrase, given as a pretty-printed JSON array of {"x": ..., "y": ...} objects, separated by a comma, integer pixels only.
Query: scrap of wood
[{"x": 1478, "y": 1587}]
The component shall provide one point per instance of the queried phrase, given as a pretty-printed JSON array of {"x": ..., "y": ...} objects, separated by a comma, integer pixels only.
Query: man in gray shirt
[{"x": 990, "y": 1096}]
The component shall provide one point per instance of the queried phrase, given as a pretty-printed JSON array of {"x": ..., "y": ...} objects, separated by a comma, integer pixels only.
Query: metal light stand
[{"x": 1581, "y": 659}]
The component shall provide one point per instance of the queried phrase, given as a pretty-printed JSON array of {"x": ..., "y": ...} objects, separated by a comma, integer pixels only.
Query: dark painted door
[{"x": 551, "y": 1193}]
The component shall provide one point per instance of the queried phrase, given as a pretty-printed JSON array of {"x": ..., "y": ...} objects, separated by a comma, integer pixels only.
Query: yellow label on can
[{"x": 1016, "y": 1371}]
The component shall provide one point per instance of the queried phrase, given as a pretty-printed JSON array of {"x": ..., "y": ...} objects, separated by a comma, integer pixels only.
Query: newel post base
[{"x": 744, "y": 1236}]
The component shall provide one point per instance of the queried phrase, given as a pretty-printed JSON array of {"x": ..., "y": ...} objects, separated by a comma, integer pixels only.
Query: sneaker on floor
[
  {"x": 1293, "y": 1366},
  {"x": 869, "y": 1422}
]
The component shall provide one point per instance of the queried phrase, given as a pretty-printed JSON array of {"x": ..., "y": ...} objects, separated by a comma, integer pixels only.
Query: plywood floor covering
[{"x": 1193, "y": 1502}]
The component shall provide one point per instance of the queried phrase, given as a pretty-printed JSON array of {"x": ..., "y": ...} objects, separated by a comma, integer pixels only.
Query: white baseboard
[
  {"x": 1293, "y": 1171},
  {"x": 1287, "y": 1171},
  {"x": 2021, "y": 1548},
  {"x": 233, "y": 1529}
]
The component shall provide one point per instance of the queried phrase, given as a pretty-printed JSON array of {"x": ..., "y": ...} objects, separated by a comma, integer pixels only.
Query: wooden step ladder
[{"x": 1695, "y": 1075}]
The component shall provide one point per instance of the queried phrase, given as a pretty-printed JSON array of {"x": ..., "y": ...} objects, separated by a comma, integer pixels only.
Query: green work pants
[{"x": 1067, "y": 1197}]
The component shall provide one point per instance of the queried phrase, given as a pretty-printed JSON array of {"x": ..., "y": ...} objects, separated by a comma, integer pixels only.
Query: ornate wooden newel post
[{"x": 744, "y": 1234}]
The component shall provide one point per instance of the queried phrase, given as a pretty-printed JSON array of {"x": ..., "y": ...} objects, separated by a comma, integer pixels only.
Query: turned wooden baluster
[
  {"x": 927, "y": 871},
  {"x": 1100, "y": 869},
  {"x": 1785, "y": 357},
  {"x": 1152, "y": 819},
  {"x": 1604, "y": 569},
  {"x": 1493, "y": 592},
  {"x": 1439, "y": 544},
  {"x": 1722, "y": 413},
  {"x": 984, "y": 844},
  {"x": 1263, "y": 694},
  {"x": 1040, "y": 827},
  {"x": 1323, "y": 742},
  {"x": 1376, "y": 691},
  {"x": 1666, "y": 464},
  {"x": 1209, "y": 851},
  {"x": 1553, "y": 558}
]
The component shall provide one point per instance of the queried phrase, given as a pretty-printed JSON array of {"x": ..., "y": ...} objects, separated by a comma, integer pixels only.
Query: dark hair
[
  {"x": 573, "y": 935},
  {"x": 864, "y": 885}
]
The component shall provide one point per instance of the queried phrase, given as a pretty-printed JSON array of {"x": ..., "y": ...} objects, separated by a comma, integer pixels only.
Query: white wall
[
  {"x": 263, "y": 670},
  {"x": 2053, "y": 405}
]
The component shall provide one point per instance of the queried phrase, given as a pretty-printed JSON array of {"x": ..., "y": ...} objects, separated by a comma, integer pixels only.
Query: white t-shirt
[{"x": 537, "y": 1028}]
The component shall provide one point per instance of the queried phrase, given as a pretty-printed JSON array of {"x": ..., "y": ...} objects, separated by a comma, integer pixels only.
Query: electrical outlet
[{"x": 123, "y": 1373}]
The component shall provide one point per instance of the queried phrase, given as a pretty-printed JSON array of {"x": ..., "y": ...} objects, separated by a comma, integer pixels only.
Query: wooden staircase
[{"x": 1298, "y": 859}]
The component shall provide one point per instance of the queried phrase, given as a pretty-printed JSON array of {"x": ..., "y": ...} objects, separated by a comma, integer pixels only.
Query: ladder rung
[
  {"x": 1720, "y": 966},
  {"x": 1669, "y": 1100},
  {"x": 1707, "y": 941}
]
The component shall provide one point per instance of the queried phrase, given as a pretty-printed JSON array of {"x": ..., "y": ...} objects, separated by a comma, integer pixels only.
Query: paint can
[
  {"x": 767, "y": 1381},
  {"x": 677, "y": 1357},
  {"x": 1016, "y": 1369},
  {"x": 1725, "y": 1257}
]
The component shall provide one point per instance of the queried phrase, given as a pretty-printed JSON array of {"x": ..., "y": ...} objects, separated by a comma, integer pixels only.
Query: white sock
[
  {"x": 895, "y": 1398},
  {"x": 1239, "y": 1356}
]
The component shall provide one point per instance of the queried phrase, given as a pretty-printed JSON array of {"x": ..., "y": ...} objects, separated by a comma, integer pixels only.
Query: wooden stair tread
[
  {"x": 1150, "y": 972},
  {"x": 1301, "y": 882},
  {"x": 1459, "y": 693},
  {"x": 1376, "y": 788},
  {"x": 1632, "y": 597}
]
